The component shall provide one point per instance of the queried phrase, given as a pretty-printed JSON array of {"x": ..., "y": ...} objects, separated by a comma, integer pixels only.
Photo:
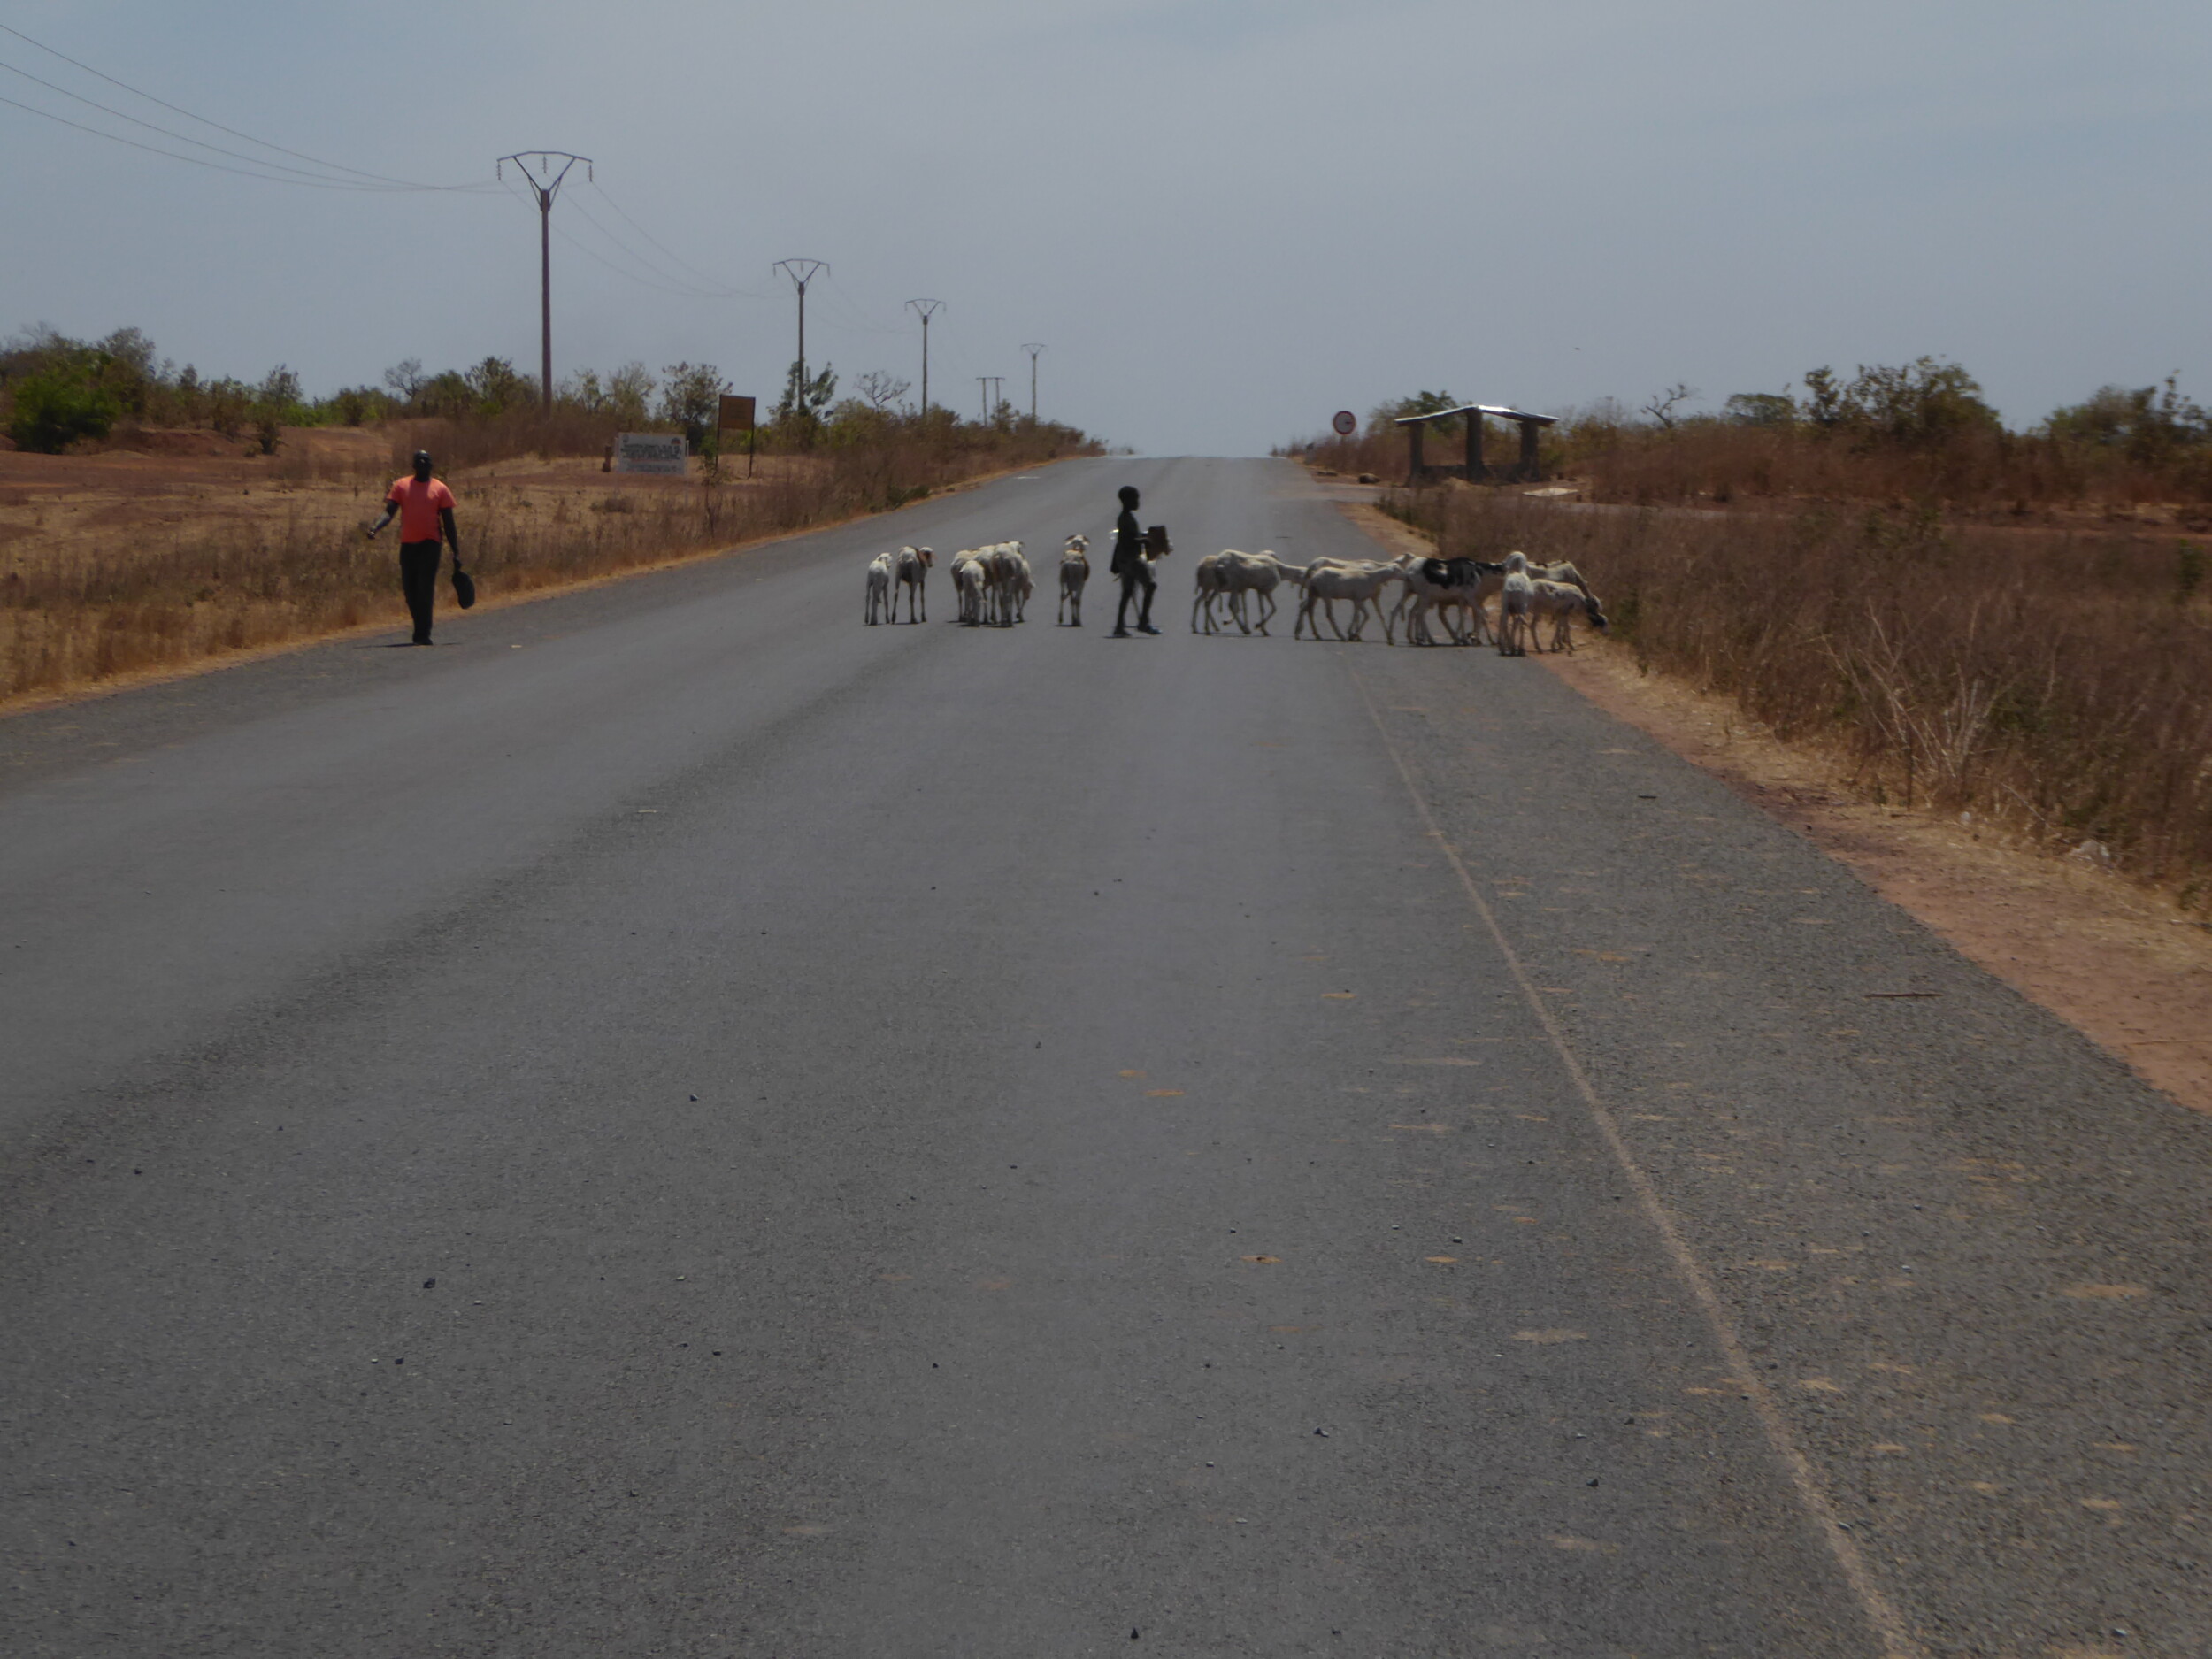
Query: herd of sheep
[{"x": 1536, "y": 604}]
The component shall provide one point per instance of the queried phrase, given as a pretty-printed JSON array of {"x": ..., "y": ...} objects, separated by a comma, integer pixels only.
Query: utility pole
[
  {"x": 991, "y": 399},
  {"x": 801, "y": 271},
  {"x": 926, "y": 309},
  {"x": 1033, "y": 351},
  {"x": 544, "y": 178}
]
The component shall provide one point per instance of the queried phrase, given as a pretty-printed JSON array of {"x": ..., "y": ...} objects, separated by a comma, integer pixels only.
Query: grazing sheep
[
  {"x": 1207, "y": 573},
  {"x": 880, "y": 600},
  {"x": 913, "y": 569},
  {"x": 1561, "y": 571},
  {"x": 1075, "y": 573},
  {"x": 1561, "y": 602},
  {"x": 1516, "y": 599},
  {"x": 1361, "y": 581}
]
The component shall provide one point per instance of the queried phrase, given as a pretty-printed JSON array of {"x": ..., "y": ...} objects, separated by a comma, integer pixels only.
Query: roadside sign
[
  {"x": 649, "y": 452},
  {"x": 1346, "y": 423},
  {"x": 737, "y": 413}
]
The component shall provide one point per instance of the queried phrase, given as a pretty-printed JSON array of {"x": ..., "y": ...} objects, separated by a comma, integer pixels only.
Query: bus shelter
[{"x": 1527, "y": 469}]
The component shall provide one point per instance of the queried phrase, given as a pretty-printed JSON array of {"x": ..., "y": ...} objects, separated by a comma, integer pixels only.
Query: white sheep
[
  {"x": 1361, "y": 581},
  {"x": 1561, "y": 571},
  {"x": 1003, "y": 571},
  {"x": 1561, "y": 602},
  {"x": 1517, "y": 600},
  {"x": 1207, "y": 573},
  {"x": 912, "y": 571},
  {"x": 1444, "y": 586},
  {"x": 968, "y": 587},
  {"x": 880, "y": 600},
  {"x": 1075, "y": 573},
  {"x": 1256, "y": 573}
]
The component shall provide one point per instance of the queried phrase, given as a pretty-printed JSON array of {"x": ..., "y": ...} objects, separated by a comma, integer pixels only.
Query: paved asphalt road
[{"x": 677, "y": 1123}]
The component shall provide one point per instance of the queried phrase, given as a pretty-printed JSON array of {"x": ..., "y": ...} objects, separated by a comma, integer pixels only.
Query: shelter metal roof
[{"x": 1499, "y": 409}]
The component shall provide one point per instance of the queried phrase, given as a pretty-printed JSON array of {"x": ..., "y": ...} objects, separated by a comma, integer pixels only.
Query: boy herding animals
[{"x": 1131, "y": 567}]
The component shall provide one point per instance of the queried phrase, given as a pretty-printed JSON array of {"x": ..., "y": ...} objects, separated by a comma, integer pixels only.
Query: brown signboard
[{"x": 737, "y": 413}]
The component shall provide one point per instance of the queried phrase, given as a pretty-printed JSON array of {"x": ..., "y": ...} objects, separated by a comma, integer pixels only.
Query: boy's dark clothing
[
  {"x": 1128, "y": 542},
  {"x": 1134, "y": 570},
  {"x": 418, "y": 580}
]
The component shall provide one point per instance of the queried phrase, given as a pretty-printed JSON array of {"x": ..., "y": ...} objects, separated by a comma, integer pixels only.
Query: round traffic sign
[{"x": 1346, "y": 423}]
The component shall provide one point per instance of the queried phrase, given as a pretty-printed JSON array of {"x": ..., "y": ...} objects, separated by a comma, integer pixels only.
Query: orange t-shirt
[{"x": 419, "y": 505}]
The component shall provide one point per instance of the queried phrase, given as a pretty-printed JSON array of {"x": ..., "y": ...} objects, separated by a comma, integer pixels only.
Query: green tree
[
  {"x": 1824, "y": 399},
  {"x": 1379, "y": 417},
  {"x": 448, "y": 394},
  {"x": 276, "y": 403},
  {"x": 804, "y": 402},
  {"x": 54, "y": 407},
  {"x": 228, "y": 403},
  {"x": 691, "y": 398},
  {"x": 627, "y": 389},
  {"x": 498, "y": 387},
  {"x": 1760, "y": 408},
  {"x": 2150, "y": 423},
  {"x": 1920, "y": 404}
]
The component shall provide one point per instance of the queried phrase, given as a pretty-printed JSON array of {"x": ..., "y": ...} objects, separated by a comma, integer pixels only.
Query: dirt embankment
[{"x": 2121, "y": 964}]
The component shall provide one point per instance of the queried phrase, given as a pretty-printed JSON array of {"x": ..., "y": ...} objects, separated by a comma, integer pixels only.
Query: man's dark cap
[
  {"x": 1128, "y": 494},
  {"x": 422, "y": 457}
]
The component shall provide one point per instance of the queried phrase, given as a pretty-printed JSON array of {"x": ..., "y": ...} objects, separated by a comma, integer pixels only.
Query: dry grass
[
  {"x": 1995, "y": 477},
  {"x": 121, "y": 564},
  {"x": 2056, "y": 680}
]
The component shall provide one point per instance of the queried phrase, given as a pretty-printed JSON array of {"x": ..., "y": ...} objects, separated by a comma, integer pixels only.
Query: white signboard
[{"x": 649, "y": 452}]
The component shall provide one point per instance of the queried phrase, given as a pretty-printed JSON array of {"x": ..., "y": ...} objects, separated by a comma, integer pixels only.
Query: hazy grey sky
[{"x": 1225, "y": 220}]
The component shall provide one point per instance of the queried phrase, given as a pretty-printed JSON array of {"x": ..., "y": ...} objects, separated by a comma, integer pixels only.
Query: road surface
[{"x": 680, "y": 1124}]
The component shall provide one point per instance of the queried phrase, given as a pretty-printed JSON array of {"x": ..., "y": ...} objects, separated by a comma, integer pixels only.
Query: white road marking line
[{"x": 1897, "y": 1640}]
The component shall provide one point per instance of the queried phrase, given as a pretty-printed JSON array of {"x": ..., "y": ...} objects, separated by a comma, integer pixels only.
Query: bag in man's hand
[
  {"x": 1155, "y": 541},
  {"x": 463, "y": 587}
]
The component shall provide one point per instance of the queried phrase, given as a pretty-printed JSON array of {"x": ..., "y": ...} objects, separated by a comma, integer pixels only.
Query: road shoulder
[{"x": 2121, "y": 964}]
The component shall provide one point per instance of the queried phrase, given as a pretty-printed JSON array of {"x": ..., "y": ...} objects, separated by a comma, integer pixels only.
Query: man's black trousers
[
  {"x": 1136, "y": 578},
  {"x": 418, "y": 580}
]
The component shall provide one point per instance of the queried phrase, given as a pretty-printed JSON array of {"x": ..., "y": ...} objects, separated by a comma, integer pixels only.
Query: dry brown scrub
[
  {"x": 1997, "y": 477},
  {"x": 2059, "y": 681},
  {"x": 117, "y": 565}
]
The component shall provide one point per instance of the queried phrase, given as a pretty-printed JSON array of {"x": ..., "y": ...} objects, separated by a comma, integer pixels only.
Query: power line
[
  {"x": 274, "y": 167},
  {"x": 650, "y": 276},
  {"x": 732, "y": 289},
  {"x": 385, "y": 179},
  {"x": 197, "y": 161},
  {"x": 675, "y": 283}
]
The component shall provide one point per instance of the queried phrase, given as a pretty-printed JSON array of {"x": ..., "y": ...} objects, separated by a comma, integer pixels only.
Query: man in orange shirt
[{"x": 425, "y": 507}]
